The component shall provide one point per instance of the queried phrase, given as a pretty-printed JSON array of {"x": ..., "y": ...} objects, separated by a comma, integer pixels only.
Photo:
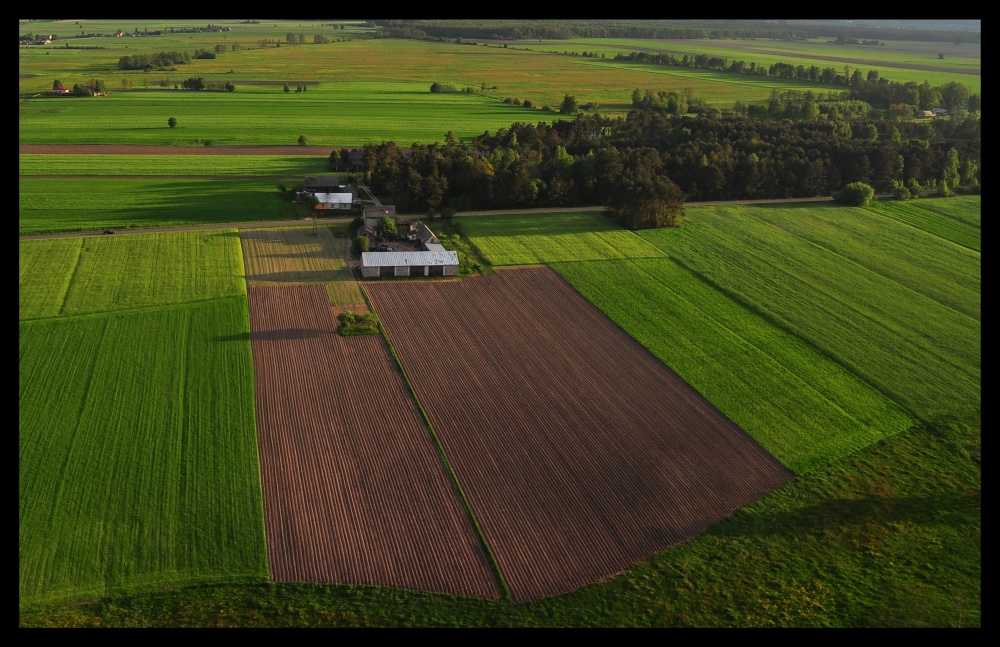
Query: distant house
[
  {"x": 322, "y": 183},
  {"x": 373, "y": 214},
  {"x": 928, "y": 113},
  {"x": 60, "y": 89},
  {"x": 334, "y": 201},
  {"x": 409, "y": 263},
  {"x": 940, "y": 112}
]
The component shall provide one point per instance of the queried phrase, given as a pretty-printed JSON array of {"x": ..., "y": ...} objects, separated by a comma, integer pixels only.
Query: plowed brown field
[
  {"x": 354, "y": 490},
  {"x": 579, "y": 452}
]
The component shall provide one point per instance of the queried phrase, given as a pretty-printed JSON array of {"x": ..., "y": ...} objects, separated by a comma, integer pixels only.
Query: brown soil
[
  {"x": 354, "y": 490},
  {"x": 580, "y": 453}
]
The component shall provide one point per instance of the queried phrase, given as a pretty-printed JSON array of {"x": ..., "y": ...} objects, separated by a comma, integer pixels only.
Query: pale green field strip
[
  {"x": 922, "y": 354},
  {"x": 963, "y": 208},
  {"x": 45, "y": 269},
  {"x": 138, "y": 453},
  {"x": 948, "y": 274},
  {"x": 954, "y": 227},
  {"x": 211, "y": 165},
  {"x": 91, "y": 204},
  {"x": 803, "y": 408},
  {"x": 529, "y": 239},
  {"x": 111, "y": 273}
]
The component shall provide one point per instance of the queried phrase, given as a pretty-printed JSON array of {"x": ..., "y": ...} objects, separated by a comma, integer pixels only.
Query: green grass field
[
  {"x": 370, "y": 91},
  {"x": 75, "y": 276},
  {"x": 876, "y": 319},
  {"x": 889, "y": 537},
  {"x": 528, "y": 239},
  {"x": 92, "y": 204},
  {"x": 957, "y": 219},
  {"x": 804, "y": 409},
  {"x": 292, "y": 167},
  {"x": 137, "y": 454}
]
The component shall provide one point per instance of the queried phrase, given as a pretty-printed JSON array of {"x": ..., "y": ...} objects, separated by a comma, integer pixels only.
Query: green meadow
[
  {"x": 75, "y": 276},
  {"x": 803, "y": 408},
  {"x": 138, "y": 453},
  {"x": 956, "y": 219},
  {"x": 90, "y": 204},
  {"x": 871, "y": 307},
  {"x": 527, "y": 239},
  {"x": 291, "y": 167}
]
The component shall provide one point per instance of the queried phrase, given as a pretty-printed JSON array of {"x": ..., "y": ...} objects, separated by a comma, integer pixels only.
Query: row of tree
[
  {"x": 644, "y": 166},
  {"x": 657, "y": 29}
]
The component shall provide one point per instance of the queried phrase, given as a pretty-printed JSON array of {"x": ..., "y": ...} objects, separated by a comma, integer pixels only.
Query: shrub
[
  {"x": 360, "y": 244},
  {"x": 855, "y": 194}
]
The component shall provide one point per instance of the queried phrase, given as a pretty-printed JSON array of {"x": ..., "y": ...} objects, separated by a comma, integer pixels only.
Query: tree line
[
  {"x": 644, "y": 166},
  {"x": 559, "y": 29}
]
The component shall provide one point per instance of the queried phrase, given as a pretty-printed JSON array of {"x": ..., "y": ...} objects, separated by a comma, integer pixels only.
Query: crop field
[
  {"x": 152, "y": 165},
  {"x": 296, "y": 255},
  {"x": 354, "y": 489},
  {"x": 899, "y": 61},
  {"x": 137, "y": 454},
  {"x": 370, "y": 91},
  {"x": 579, "y": 452},
  {"x": 528, "y": 239},
  {"x": 91, "y": 204},
  {"x": 803, "y": 408},
  {"x": 956, "y": 219},
  {"x": 918, "y": 351},
  {"x": 76, "y": 276}
]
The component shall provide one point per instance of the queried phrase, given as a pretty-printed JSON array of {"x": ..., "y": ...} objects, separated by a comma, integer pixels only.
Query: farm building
[
  {"x": 373, "y": 214},
  {"x": 407, "y": 263},
  {"x": 334, "y": 201},
  {"x": 322, "y": 184}
]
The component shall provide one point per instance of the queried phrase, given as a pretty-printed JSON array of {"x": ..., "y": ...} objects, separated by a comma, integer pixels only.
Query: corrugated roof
[
  {"x": 412, "y": 259},
  {"x": 335, "y": 198}
]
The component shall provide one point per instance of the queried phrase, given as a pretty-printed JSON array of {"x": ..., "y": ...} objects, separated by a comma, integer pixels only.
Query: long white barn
[{"x": 407, "y": 263}]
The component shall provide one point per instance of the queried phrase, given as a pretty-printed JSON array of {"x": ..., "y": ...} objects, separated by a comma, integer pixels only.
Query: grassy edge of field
[{"x": 887, "y": 537}]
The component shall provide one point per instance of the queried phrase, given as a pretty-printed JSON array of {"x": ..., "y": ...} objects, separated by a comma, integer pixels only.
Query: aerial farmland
[{"x": 765, "y": 415}]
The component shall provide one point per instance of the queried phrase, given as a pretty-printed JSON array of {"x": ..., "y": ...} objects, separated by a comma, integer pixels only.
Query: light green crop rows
[
  {"x": 137, "y": 454},
  {"x": 552, "y": 237},
  {"x": 125, "y": 272},
  {"x": 956, "y": 219},
  {"x": 921, "y": 353}
]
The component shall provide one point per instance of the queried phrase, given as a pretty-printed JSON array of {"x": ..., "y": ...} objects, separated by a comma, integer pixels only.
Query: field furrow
[
  {"x": 580, "y": 453},
  {"x": 354, "y": 489}
]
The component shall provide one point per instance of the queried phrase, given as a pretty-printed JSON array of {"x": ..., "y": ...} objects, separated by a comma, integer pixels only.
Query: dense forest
[{"x": 650, "y": 157}]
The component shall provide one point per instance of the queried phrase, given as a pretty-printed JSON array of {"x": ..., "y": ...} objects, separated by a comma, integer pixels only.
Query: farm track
[
  {"x": 354, "y": 490},
  {"x": 579, "y": 452}
]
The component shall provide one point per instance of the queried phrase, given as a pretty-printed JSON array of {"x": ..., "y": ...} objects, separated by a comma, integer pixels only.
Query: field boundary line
[{"x": 505, "y": 590}]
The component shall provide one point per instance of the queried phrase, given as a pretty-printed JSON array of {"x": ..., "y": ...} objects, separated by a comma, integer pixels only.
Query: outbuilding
[{"x": 407, "y": 263}]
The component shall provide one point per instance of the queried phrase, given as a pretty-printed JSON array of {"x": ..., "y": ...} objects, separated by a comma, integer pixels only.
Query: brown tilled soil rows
[
  {"x": 354, "y": 489},
  {"x": 579, "y": 452}
]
